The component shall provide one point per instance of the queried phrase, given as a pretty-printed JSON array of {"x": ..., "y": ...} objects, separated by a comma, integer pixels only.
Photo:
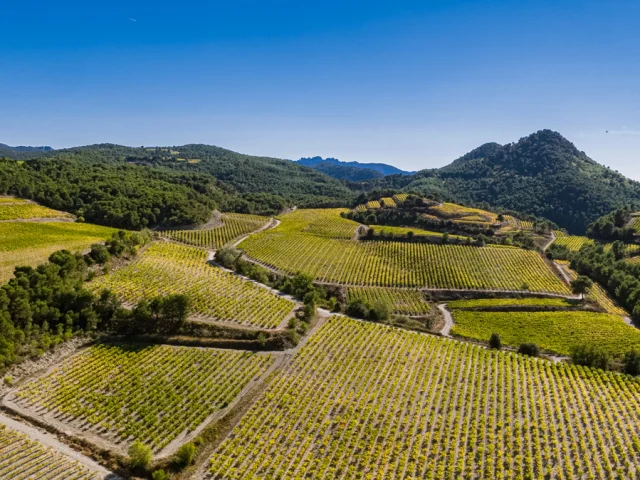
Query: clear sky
[{"x": 414, "y": 84}]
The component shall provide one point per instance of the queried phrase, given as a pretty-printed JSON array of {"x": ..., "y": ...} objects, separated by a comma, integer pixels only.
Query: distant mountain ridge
[
  {"x": 382, "y": 168},
  {"x": 22, "y": 148}
]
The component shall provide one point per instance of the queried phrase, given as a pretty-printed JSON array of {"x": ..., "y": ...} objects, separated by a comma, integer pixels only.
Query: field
[
  {"x": 215, "y": 294},
  {"x": 24, "y": 243},
  {"x": 417, "y": 232},
  {"x": 234, "y": 225},
  {"x": 573, "y": 243},
  {"x": 364, "y": 401},
  {"x": 152, "y": 394},
  {"x": 16, "y": 209},
  {"x": 396, "y": 264},
  {"x": 509, "y": 302},
  {"x": 558, "y": 332},
  {"x": 403, "y": 301},
  {"x": 22, "y": 458},
  {"x": 635, "y": 224},
  {"x": 461, "y": 213}
]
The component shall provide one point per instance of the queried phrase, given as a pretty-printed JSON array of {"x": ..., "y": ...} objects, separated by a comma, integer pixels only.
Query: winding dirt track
[{"x": 448, "y": 320}]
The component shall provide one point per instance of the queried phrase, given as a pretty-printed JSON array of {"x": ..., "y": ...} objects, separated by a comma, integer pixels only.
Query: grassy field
[
  {"x": 215, "y": 294},
  {"x": 24, "y": 243},
  {"x": 151, "y": 394},
  {"x": 234, "y": 225},
  {"x": 25, "y": 210},
  {"x": 403, "y": 301},
  {"x": 299, "y": 244},
  {"x": 508, "y": 302},
  {"x": 361, "y": 400},
  {"x": 23, "y": 458},
  {"x": 558, "y": 332}
]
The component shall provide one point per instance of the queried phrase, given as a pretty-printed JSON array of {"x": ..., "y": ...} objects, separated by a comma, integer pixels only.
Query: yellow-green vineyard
[
  {"x": 396, "y": 264},
  {"x": 14, "y": 209},
  {"x": 151, "y": 394},
  {"x": 215, "y": 294},
  {"x": 402, "y": 300},
  {"x": 24, "y": 243},
  {"x": 233, "y": 226},
  {"x": 23, "y": 458},
  {"x": 364, "y": 401}
]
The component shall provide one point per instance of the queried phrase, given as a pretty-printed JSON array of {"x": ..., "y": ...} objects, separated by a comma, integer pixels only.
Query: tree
[
  {"x": 139, "y": 455},
  {"x": 590, "y": 356},
  {"x": 530, "y": 349},
  {"x": 380, "y": 310},
  {"x": 581, "y": 286},
  {"x": 495, "y": 342},
  {"x": 445, "y": 238},
  {"x": 632, "y": 363},
  {"x": 185, "y": 454},
  {"x": 99, "y": 254},
  {"x": 358, "y": 309},
  {"x": 619, "y": 249}
]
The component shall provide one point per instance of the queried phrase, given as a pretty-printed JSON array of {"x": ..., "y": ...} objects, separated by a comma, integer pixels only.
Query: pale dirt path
[
  {"x": 550, "y": 242},
  {"x": 448, "y": 320},
  {"x": 52, "y": 442},
  {"x": 272, "y": 223}
]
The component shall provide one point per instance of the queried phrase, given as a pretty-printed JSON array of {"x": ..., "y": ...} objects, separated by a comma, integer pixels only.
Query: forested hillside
[{"x": 543, "y": 174}]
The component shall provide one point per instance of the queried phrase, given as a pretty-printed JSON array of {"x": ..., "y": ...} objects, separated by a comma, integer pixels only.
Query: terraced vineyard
[
  {"x": 14, "y": 209},
  {"x": 362, "y": 400},
  {"x": 509, "y": 302},
  {"x": 151, "y": 394},
  {"x": 558, "y": 332},
  {"x": 24, "y": 243},
  {"x": 23, "y": 458},
  {"x": 403, "y": 301},
  {"x": 386, "y": 230},
  {"x": 234, "y": 225},
  {"x": 396, "y": 264},
  {"x": 215, "y": 294},
  {"x": 572, "y": 242}
]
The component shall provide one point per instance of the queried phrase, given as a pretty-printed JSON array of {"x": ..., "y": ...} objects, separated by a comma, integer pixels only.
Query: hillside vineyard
[
  {"x": 365, "y": 401},
  {"x": 215, "y": 294}
]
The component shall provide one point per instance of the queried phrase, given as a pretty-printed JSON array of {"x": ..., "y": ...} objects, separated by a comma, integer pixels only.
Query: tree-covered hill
[
  {"x": 344, "y": 172},
  {"x": 319, "y": 163},
  {"x": 543, "y": 174}
]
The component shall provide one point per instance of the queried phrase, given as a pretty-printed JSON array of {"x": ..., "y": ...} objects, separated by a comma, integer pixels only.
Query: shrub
[
  {"x": 632, "y": 363},
  {"x": 160, "y": 475},
  {"x": 495, "y": 342},
  {"x": 185, "y": 454},
  {"x": 380, "y": 310},
  {"x": 139, "y": 455},
  {"x": 358, "y": 309},
  {"x": 530, "y": 349}
]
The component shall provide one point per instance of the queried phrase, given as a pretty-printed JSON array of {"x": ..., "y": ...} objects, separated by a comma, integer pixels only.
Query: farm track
[{"x": 448, "y": 320}]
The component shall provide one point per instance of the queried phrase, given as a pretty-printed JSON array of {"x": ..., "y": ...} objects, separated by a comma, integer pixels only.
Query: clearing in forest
[
  {"x": 23, "y": 458},
  {"x": 233, "y": 226},
  {"x": 24, "y": 243},
  {"x": 557, "y": 332},
  {"x": 153, "y": 394},
  {"x": 361, "y": 400},
  {"x": 298, "y": 245},
  {"x": 215, "y": 294}
]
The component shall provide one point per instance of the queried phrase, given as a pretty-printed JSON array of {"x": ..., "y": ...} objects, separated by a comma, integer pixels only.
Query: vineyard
[
  {"x": 558, "y": 332},
  {"x": 16, "y": 209},
  {"x": 215, "y": 294},
  {"x": 573, "y": 243},
  {"x": 402, "y": 301},
  {"x": 25, "y": 243},
  {"x": 509, "y": 302},
  {"x": 234, "y": 225},
  {"x": 363, "y": 401},
  {"x": 395, "y": 264},
  {"x": 22, "y": 458},
  {"x": 151, "y": 394},
  {"x": 386, "y": 230}
]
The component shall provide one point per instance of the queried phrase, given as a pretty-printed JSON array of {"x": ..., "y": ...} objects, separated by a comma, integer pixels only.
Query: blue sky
[{"x": 414, "y": 84}]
